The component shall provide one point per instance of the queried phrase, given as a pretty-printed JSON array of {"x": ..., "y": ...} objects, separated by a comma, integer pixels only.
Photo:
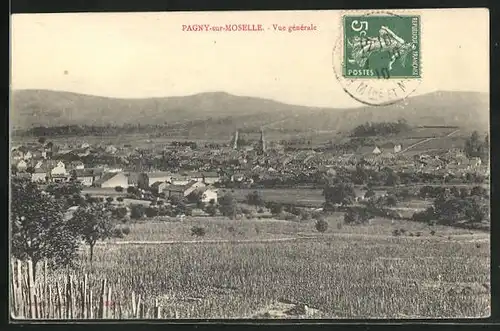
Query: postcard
[{"x": 264, "y": 165}]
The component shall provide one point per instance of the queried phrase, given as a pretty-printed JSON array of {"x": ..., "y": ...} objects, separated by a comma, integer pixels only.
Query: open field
[{"x": 347, "y": 272}]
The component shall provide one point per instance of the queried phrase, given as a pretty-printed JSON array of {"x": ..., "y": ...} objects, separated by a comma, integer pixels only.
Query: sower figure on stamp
[{"x": 387, "y": 41}]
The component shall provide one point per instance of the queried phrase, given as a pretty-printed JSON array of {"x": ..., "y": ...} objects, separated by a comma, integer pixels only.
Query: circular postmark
[{"x": 376, "y": 59}]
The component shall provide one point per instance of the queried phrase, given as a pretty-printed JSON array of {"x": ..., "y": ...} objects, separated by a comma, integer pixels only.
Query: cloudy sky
[{"x": 136, "y": 55}]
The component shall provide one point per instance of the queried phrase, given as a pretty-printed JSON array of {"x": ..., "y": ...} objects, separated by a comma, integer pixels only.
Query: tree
[
  {"x": 255, "y": 198},
  {"x": 30, "y": 170},
  {"x": 143, "y": 181},
  {"x": 391, "y": 200},
  {"x": 392, "y": 179},
  {"x": 370, "y": 193},
  {"x": 474, "y": 147},
  {"x": 42, "y": 140},
  {"x": 93, "y": 222},
  {"x": 211, "y": 209},
  {"x": 478, "y": 191},
  {"x": 131, "y": 190},
  {"x": 137, "y": 211},
  {"x": 359, "y": 176},
  {"x": 341, "y": 193},
  {"x": 276, "y": 208},
  {"x": 227, "y": 205},
  {"x": 321, "y": 225},
  {"x": 119, "y": 189},
  {"x": 38, "y": 227}
]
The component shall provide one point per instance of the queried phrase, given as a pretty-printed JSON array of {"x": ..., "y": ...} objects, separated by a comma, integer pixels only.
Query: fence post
[
  {"x": 31, "y": 295},
  {"x": 59, "y": 300},
  {"x": 157, "y": 309},
  {"x": 14, "y": 311},
  {"x": 44, "y": 294},
  {"x": 91, "y": 307},
  {"x": 102, "y": 302},
  {"x": 109, "y": 303},
  {"x": 84, "y": 297},
  {"x": 20, "y": 289},
  {"x": 139, "y": 307},
  {"x": 49, "y": 308},
  {"x": 134, "y": 307}
]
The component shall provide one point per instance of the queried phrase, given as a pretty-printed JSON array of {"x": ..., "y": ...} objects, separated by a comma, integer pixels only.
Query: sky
[{"x": 136, "y": 55}]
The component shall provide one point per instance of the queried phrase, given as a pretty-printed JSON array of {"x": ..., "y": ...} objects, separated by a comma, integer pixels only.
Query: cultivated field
[{"x": 346, "y": 272}]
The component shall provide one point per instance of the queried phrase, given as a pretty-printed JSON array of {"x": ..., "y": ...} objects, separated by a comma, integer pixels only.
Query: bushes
[
  {"x": 137, "y": 211},
  {"x": 119, "y": 189},
  {"x": 321, "y": 225},
  {"x": 255, "y": 198},
  {"x": 120, "y": 212},
  {"x": 198, "y": 231},
  {"x": 357, "y": 216}
]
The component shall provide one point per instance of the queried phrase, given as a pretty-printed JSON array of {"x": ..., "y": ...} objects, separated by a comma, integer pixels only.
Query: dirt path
[
  {"x": 428, "y": 139},
  {"x": 476, "y": 237}
]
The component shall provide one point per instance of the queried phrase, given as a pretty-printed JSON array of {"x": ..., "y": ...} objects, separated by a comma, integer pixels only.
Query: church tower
[
  {"x": 235, "y": 141},
  {"x": 263, "y": 146}
]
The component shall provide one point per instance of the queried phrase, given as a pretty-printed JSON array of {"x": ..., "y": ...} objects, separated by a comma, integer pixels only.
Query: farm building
[
  {"x": 113, "y": 180},
  {"x": 159, "y": 186},
  {"x": 159, "y": 176},
  {"x": 39, "y": 176},
  {"x": 87, "y": 176}
]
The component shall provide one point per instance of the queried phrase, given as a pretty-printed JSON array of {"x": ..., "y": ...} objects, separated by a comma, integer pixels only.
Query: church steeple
[{"x": 263, "y": 146}]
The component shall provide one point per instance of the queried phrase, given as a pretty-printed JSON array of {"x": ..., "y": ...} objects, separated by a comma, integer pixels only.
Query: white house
[
  {"x": 376, "y": 150},
  {"x": 111, "y": 149},
  {"x": 397, "y": 148},
  {"x": 59, "y": 169},
  {"x": 22, "y": 165},
  {"x": 39, "y": 176},
  {"x": 192, "y": 186},
  {"x": 28, "y": 155},
  {"x": 39, "y": 165},
  {"x": 208, "y": 194}
]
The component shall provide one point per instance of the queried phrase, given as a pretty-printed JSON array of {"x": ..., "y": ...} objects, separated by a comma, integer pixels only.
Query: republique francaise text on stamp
[{"x": 377, "y": 60}]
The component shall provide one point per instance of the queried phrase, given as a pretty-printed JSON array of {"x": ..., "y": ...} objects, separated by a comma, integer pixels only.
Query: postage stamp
[
  {"x": 377, "y": 58},
  {"x": 381, "y": 46}
]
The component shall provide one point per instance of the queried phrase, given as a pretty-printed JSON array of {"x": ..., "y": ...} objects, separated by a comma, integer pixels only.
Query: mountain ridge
[{"x": 216, "y": 110}]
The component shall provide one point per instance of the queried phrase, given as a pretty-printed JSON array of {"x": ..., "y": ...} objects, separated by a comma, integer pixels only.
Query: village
[{"x": 181, "y": 168}]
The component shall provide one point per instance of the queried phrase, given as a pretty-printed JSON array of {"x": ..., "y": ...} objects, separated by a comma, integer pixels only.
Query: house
[
  {"x": 113, "y": 179},
  {"x": 28, "y": 155},
  {"x": 192, "y": 186},
  {"x": 475, "y": 162},
  {"x": 159, "y": 186},
  {"x": 180, "y": 180},
  {"x": 208, "y": 194},
  {"x": 59, "y": 169},
  {"x": 210, "y": 178},
  {"x": 85, "y": 145},
  {"x": 133, "y": 179},
  {"x": 22, "y": 165},
  {"x": 174, "y": 190},
  {"x": 59, "y": 178},
  {"x": 159, "y": 176},
  {"x": 39, "y": 176},
  {"x": 86, "y": 176},
  {"x": 38, "y": 165},
  {"x": 111, "y": 149},
  {"x": 376, "y": 150},
  {"x": 77, "y": 165},
  {"x": 238, "y": 177},
  {"x": 397, "y": 148}
]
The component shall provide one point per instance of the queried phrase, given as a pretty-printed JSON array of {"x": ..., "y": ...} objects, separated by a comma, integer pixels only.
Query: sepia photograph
[{"x": 251, "y": 165}]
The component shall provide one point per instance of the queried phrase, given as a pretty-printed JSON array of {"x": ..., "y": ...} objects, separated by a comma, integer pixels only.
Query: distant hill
[{"x": 212, "y": 113}]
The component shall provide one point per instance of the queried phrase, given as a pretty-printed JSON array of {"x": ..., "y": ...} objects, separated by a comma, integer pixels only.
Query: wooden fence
[{"x": 72, "y": 298}]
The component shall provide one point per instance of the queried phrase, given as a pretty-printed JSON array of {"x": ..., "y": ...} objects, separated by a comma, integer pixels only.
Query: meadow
[{"x": 346, "y": 272}]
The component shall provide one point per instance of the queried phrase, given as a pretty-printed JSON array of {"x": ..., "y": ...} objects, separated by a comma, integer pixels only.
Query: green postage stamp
[{"x": 381, "y": 46}]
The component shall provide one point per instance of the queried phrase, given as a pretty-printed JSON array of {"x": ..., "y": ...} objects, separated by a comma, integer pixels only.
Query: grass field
[{"x": 346, "y": 272}]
